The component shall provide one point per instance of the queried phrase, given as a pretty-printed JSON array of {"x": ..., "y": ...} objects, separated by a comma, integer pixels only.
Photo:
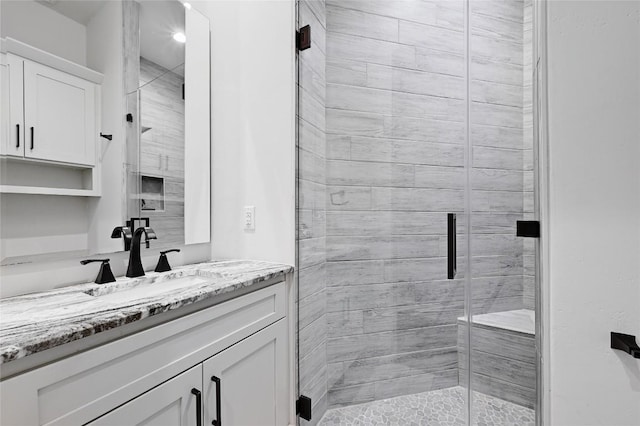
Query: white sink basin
[{"x": 135, "y": 289}]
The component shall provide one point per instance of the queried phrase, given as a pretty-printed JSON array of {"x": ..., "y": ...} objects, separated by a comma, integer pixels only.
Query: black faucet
[
  {"x": 125, "y": 232},
  {"x": 135, "y": 268}
]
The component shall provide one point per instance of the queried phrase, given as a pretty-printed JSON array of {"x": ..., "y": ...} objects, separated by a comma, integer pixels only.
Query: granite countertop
[{"x": 35, "y": 322}]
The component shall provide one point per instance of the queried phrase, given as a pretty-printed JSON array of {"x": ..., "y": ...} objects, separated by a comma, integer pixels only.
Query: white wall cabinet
[
  {"x": 147, "y": 377},
  {"x": 59, "y": 116},
  {"x": 52, "y": 114},
  {"x": 50, "y": 125},
  {"x": 12, "y": 106}
]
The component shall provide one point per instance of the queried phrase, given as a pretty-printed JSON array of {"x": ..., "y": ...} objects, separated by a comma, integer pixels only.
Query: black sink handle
[{"x": 626, "y": 343}]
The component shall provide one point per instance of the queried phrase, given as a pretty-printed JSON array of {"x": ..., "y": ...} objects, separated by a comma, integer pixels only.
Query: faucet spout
[{"x": 135, "y": 268}]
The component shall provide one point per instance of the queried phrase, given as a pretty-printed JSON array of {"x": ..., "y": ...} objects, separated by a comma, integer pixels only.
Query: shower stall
[{"x": 417, "y": 212}]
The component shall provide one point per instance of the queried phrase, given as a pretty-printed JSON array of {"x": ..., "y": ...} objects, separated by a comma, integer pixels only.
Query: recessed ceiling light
[
  {"x": 187, "y": 5},
  {"x": 180, "y": 37}
]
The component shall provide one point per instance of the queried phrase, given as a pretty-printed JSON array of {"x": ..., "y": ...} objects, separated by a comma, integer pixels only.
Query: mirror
[{"x": 103, "y": 104}]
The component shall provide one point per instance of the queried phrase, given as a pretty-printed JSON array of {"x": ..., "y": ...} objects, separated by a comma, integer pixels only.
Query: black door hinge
[
  {"x": 528, "y": 228},
  {"x": 303, "y": 407},
  {"x": 303, "y": 38}
]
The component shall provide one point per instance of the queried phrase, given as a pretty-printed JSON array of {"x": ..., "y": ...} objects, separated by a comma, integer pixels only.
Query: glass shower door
[
  {"x": 503, "y": 359},
  {"x": 382, "y": 149}
]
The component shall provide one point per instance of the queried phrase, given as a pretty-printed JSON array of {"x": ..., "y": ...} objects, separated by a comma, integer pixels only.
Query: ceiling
[
  {"x": 159, "y": 20},
  {"x": 80, "y": 11}
]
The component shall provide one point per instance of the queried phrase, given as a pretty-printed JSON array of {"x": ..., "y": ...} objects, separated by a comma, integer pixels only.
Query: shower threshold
[{"x": 440, "y": 407}]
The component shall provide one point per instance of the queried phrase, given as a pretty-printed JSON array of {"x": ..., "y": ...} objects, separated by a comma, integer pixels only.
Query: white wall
[
  {"x": 594, "y": 217},
  {"x": 253, "y": 133}
]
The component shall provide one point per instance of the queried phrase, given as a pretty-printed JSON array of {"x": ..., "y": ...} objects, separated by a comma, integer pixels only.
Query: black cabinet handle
[
  {"x": 17, "y": 136},
  {"x": 198, "y": 395},
  {"x": 32, "y": 137},
  {"x": 451, "y": 246},
  {"x": 218, "y": 420}
]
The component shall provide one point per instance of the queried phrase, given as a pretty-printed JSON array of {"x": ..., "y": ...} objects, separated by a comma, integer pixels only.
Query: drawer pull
[
  {"x": 32, "y": 136},
  {"x": 198, "y": 395},
  {"x": 218, "y": 420},
  {"x": 17, "y": 136}
]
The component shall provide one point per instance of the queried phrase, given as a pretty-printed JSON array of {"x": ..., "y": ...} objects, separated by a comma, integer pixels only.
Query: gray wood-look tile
[
  {"x": 311, "y": 251},
  {"x": 312, "y": 280},
  {"x": 498, "y": 137},
  {"x": 389, "y": 342},
  {"x": 311, "y": 109},
  {"x": 483, "y": 69},
  {"x": 341, "y": 172},
  {"x": 497, "y": 158},
  {"x": 496, "y": 115},
  {"x": 432, "y": 37},
  {"x": 442, "y": 13},
  {"x": 313, "y": 13},
  {"x": 407, "y": 151},
  {"x": 338, "y": 147},
  {"x": 373, "y": 223},
  {"x": 497, "y": 93},
  {"x": 495, "y": 27},
  {"x": 388, "y": 367},
  {"x": 313, "y": 335},
  {"x": 382, "y": 247},
  {"x": 496, "y": 179},
  {"x": 354, "y": 273},
  {"x": 372, "y": 296},
  {"x": 389, "y": 102},
  {"x": 439, "y": 177},
  {"x": 354, "y": 123},
  {"x": 420, "y": 199},
  {"x": 406, "y": 317},
  {"x": 312, "y": 308},
  {"x": 497, "y": 50},
  {"x": 413, "y": 81},
  {"x": 419, "y": 129},
  {"x": 353, "y": 22},
  {"x": 343, "y": 46},
  {"x": 345, "y": 323},
  {"x": 311, "y": 365},
  {"x": 348, "y": 198},
  {"x": 311, "y": 138},
  {"x": 437, "y": 61},
  {"x": 512, "y": 10},
  {"x": 418, "y": 383},
  {"x": 343, "y": 71}
]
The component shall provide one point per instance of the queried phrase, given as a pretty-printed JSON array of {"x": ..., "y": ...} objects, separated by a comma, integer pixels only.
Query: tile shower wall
[
  {"x": 162, "y": 148},
  {"x": 395, "y": 134},
  {"x": 527, "y": 128},
  {"x": 311, "y": 211}
]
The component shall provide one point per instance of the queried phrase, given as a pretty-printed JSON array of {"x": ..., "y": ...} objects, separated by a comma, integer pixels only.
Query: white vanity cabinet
[
  {"x": 152, "y": 377},
  {"x": 248, "y": 380},
  {"x": 171, "y": 403},
  {"x": 51, "y": 114}
]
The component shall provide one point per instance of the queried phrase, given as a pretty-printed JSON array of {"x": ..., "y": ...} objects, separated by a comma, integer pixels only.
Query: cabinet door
[
  {"x": 12, "y": 106},
  {"x": 249, "y": 380},
  {"x": 170, "y": 404},
  {"x": 60, "y": 116}
]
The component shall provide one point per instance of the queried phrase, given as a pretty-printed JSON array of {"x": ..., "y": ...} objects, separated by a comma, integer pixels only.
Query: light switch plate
[{"x": 249, "y": 218}]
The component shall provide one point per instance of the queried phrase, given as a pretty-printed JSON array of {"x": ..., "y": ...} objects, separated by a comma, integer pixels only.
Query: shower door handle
[{"x": 451, "y": 246}]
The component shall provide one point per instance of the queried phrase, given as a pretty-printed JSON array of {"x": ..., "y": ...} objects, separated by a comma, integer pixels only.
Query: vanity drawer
[{"x": 80, "y": 388}]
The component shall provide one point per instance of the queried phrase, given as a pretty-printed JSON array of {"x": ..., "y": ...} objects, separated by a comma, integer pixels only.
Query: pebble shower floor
[{"x": 442, "y": 407}]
